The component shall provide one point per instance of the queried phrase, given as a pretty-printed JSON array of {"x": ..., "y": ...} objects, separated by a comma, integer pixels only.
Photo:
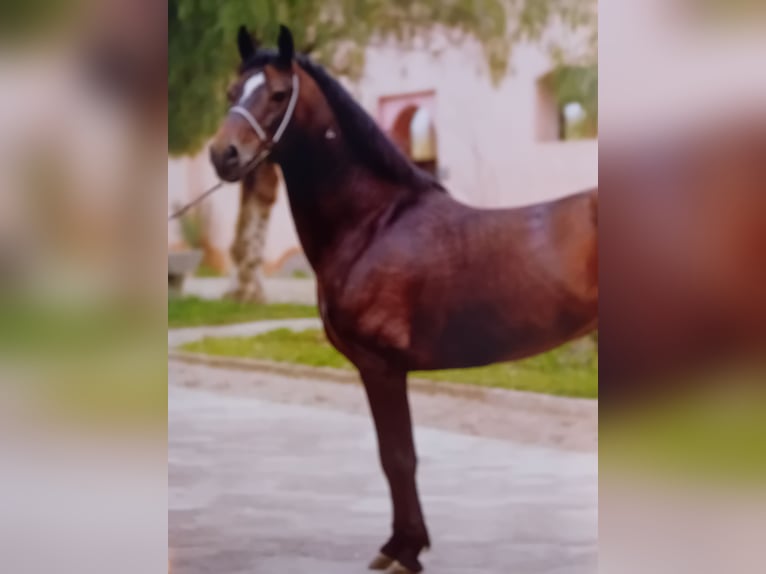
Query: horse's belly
[{"x": 477, "y": 338}]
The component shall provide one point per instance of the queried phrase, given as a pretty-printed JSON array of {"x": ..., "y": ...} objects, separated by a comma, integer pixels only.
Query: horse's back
[{"x": 448, "y": 285}]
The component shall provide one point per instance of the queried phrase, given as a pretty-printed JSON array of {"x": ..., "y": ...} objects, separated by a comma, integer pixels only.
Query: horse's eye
[
  {"x": 231, "y": 94},
  {"x": 279, "y": 96}
]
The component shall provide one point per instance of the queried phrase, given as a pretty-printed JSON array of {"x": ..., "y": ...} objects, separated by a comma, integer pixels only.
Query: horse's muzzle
[{"x": 226, "y": 162}]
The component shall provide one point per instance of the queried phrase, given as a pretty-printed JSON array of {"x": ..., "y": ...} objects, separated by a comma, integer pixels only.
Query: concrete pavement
[
  {"x": 260, "y": 486},
  {"x": 278, "y": 289},
  {"x": 177, "y": 337}
]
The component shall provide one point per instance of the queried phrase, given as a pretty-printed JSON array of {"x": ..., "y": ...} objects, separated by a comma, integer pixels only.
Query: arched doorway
[
  {"x": 409, "y": 120},
  {"x": 415, "y": 134}
]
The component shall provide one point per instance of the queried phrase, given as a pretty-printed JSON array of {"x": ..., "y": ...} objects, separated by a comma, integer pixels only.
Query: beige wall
[
  {"x": 189, "y": 177},
  {"x": 487, "y": 137}
]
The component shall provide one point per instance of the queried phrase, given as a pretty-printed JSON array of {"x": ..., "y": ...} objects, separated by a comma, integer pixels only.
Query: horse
[{"x": 408, "y": 278}]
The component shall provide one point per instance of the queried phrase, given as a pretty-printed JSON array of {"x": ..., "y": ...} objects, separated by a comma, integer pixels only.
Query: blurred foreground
[
  {"x": 82, "y": 296},
  {"x": 683, "y": 287}
]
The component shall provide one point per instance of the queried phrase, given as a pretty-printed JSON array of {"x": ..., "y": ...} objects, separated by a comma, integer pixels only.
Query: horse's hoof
[
  {"x": 381, "y": 562},
  {"x": 397, "y": 568}
]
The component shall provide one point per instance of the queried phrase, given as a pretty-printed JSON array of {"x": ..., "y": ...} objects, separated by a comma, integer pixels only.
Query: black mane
[{"x": 370, "y": 143}]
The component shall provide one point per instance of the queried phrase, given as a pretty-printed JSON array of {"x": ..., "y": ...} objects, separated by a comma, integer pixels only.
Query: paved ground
[
  {"x": 278, "y": 289},
  {"x": 263, "y": 481},
  {"x": 178, "y": 337},
  {"x": 558, "y": 422}
]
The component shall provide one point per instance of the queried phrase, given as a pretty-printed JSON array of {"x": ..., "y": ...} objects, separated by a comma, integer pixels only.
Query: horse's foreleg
[{"x": 387, "y": 394}]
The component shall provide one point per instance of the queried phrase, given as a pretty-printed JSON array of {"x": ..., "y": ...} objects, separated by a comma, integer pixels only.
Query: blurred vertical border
[
  {"x": 83, "y": 400},
  {"x": 682, "y": 333}
]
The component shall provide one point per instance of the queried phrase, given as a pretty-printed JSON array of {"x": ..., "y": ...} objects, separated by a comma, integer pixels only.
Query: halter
[
  {"x": 258, "y": 129},
  {"x": 261, "y": 133}
]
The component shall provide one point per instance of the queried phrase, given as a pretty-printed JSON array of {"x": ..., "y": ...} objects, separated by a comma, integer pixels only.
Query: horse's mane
[{"x": 367, "y": 140}]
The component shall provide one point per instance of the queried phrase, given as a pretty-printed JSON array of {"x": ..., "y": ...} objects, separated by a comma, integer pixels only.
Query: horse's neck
[{"x": 334, "y": 199}]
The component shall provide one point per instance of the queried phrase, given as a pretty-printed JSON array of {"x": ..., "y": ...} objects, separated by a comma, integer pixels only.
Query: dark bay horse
[{"x": 408, "y": 278}]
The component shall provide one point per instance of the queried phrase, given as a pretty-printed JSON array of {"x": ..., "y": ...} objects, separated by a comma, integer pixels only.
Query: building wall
[{"x": 487, "y": 136}]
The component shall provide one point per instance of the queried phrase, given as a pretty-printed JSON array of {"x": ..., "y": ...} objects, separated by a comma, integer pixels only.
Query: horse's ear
[
  {"x": 246, "y": 44},
  {"x": 286, "y": 45}
]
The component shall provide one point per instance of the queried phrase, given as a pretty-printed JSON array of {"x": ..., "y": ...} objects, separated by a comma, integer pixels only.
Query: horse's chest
[
  {"x": 333, "y": 335},
  {"x": 365, "y": 328}
]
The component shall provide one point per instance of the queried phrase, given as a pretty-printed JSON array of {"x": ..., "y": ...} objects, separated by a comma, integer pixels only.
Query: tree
[
  {"x": 336, "y": 33},
  {"x": 202, "y": 55},
  {"x": 258, "y": 194}
]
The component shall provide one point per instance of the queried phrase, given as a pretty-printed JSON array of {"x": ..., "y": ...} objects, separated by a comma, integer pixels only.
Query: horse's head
[{"x": 263, "y": 100}]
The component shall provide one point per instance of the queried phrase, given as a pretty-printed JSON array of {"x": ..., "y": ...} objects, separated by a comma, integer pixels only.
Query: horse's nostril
[{"x": 230, "y": 154}]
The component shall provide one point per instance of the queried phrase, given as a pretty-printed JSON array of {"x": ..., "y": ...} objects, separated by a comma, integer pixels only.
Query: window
[
  {"x": 567, "y": 104},
  {"x": 409, "y": 120}
]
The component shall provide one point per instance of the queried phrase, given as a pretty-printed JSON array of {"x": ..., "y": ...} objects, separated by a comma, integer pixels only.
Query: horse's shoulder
[{"x": 371, "y": 304}]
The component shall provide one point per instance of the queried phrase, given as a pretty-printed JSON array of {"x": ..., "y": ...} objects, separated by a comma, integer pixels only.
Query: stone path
[
  {"x": 278, "y": 289},
  {"x": 178, "y": 337},
  {"x": 268, "y": 483},
  {"x": 562, "y": 424}
]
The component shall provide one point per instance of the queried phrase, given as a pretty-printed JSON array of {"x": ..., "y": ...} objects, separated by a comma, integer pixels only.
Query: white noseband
[
  {"x": 251, "y": 120},
  {"x": 258, "y": 129}
]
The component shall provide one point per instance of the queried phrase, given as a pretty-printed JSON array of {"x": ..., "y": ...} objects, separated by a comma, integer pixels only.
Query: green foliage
[
  {"x": 571, "y": 370},
  {"x": 33, "y": 20},
  {"x": 202, "y": 51},
  {"x": 578, "y": 84}
]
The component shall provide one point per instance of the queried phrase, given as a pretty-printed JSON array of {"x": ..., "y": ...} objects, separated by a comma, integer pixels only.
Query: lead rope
[
  {"x": 194, "y": 202},
  {"x": 261, "y": 135}
]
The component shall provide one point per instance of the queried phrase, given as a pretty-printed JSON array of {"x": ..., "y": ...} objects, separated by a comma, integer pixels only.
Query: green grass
[
  {"x": 711, "y": 435},
  {"x": 90, "y": 361},
  {"x": 193, "y": 311},
  {"x": 205, "y": 270},
  {"x": 571, "y": 370}
]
